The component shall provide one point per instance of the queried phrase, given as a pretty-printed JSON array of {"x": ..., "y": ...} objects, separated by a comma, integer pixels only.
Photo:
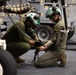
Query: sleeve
[
  {"x": 21, "y": 31},
  {"x": 57, "y": 34},
  {"x": 58, "y": 38},
  {"x": 31, "y": 33},
  {"x": 61, "y": 39}
]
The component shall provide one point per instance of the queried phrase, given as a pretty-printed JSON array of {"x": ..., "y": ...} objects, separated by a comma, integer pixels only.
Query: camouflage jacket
[
  {"x": 19, "y": 33},
  {"x": 59, "y": 37}
]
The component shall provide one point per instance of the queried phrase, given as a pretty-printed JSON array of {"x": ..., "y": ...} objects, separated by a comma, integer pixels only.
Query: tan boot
[
  {"x": 19, "y": 60},
  {"x": 62, "y": 60}
]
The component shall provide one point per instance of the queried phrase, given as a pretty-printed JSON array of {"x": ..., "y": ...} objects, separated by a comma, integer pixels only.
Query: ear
[{"x": 56, "y": 16}]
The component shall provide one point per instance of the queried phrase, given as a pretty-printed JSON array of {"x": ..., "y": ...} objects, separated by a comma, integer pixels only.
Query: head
[
  {"x": 3, "y": 2},
  {"x": 53, "y": 13},
  {"x": 32, "y": 20}
]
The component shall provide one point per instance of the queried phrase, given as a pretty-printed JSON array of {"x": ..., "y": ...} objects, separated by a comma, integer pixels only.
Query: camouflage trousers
[
  {"x": 50, "y": 59},
  {"x": 18, "y": 48}
]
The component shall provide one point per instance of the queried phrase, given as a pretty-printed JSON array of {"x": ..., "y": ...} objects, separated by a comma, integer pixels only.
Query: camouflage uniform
[
  {"x": 17, "y": 39},
  {"x": 56, "y": 51}
]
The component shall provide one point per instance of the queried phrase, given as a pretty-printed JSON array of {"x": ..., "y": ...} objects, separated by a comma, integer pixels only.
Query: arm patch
[{"x": 56, "y": 28}]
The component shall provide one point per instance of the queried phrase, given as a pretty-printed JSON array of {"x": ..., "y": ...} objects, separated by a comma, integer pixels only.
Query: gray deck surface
[{"x": 28, "y": 68}]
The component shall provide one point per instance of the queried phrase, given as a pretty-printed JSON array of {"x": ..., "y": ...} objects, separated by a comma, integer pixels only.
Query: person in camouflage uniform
[
  {"x": 55, "y": 47},
  {"x": 17, "y": 36}
]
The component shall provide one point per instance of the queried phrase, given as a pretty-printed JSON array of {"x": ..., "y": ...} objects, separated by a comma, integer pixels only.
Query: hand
[
  {"x": 41, "y": 48},
  {"x": 38, "y": 43},
  {"x": 36, "y": 38},
  {"x": 32, "y": 42}
]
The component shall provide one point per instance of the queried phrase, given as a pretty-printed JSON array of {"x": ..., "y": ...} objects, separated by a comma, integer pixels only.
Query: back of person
[{"x": 13, "y": 33}]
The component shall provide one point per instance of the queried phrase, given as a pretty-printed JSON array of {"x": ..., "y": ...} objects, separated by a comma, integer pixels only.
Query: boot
[
  {"x": 19, "y": 60},
  {"x": 62, "y": 60}
]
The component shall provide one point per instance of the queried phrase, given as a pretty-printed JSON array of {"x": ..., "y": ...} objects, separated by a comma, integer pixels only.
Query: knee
[
  {"x": 27, "y": 47},
  {"x": 46, "y": 63},
  {"x": 39, "y": 64},
  {"x": 24, "y": 47}
]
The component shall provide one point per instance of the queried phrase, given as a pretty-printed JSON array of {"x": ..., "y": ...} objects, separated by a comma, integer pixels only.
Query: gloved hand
[{"x": 38, "y": 43}]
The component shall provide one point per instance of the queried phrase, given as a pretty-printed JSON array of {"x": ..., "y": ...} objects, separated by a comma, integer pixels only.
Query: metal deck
[{"x": 28, "y": 68}]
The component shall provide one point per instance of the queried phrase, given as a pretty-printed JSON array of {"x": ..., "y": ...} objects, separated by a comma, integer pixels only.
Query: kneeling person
[{"x": 56, "y": 51}]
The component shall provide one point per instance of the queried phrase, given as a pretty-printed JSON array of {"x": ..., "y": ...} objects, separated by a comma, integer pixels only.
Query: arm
[
  {"x": 41, "y": 48},
  {"x": 48, "y": 44},
  {"x": 45, "y": 46},
  {"x": 32, "y": 33},
  {"x": 22, "y": 33}
]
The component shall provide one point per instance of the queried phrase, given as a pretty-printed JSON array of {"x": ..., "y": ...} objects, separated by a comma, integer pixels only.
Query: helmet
[
  {"x": 52, "y": 11},
  {"x": 33, "y": 18}
]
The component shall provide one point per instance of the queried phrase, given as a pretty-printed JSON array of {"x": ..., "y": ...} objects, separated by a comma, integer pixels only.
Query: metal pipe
[{"x": 64, "y": 12}]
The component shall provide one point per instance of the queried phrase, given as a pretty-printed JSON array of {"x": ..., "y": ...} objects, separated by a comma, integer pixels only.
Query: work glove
[{"x": 38, "y": 43}]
